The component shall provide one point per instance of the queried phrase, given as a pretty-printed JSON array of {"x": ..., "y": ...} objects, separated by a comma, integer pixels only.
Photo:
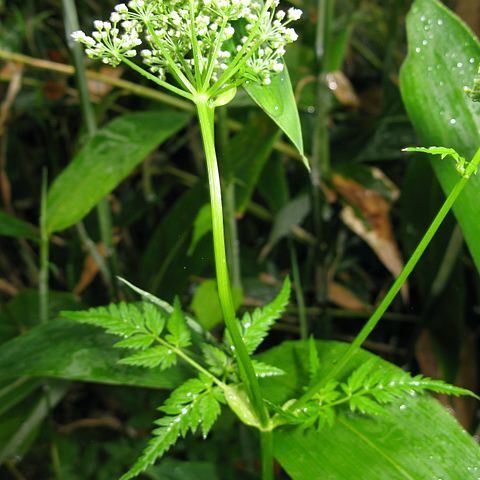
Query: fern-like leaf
[
  {"x": 194, "y": 403},
  {"x": 218, "y": 361},
  {"x": 256, "y": 326},
  {"x": 263, "y": 370},
  {"x": 368, "y": 390},
  {"x": 461, "y": 164},
  {"x": 179, "y": 334},
  {"x": 159, "y": 356}
]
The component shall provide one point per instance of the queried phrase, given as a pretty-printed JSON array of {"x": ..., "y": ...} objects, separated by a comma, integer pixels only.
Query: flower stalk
[
  {"x": 206, "y": 120},
  {"x": 469, "y": 170}
]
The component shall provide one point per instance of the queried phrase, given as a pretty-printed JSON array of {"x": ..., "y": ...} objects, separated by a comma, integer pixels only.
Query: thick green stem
[
  {"x": 103, "y": 209},
  {"x": 396, "y": 287},
  {"x": 228, "y": 181},
  {"x": 266, "y": 444},
  {"x": 247, "y": 373}
]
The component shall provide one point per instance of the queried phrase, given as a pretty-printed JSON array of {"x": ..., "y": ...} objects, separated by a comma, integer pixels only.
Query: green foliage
[
  {"x": 415, "y": 436},
  {"x": 367, "y": 390},
  {"x": 256, "y": 325},
  {"x": 13, "y": 227},
  {"x": 194, "y": 404},
  {"x": 460, "y": 163},
  {"x": 141, "y": 326},
  {"x": 432, "y": 82},
  {"x": 104, "y": 161},
  {"x": 158, "y": 339},
  {"x": 278, "y": 102}
]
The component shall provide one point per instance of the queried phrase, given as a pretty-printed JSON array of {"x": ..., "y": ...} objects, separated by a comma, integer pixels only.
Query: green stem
[
  {"x": 247, "y": 373},
  {"x": 302, "y": 312},
  {"x": 320, "y": 161},
  {"x": 231, "y": 231},
  {"x": 266, "y": 444},
  {"x": 187, "y": 359},
  {"x": 44, "y": 256},
  {"x": 396, "y": 287},
  {"x": 103, "y": 209}
]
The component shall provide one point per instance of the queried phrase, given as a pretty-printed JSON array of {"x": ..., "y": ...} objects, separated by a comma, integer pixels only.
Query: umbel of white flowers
[{"x": 208, "y": 45}]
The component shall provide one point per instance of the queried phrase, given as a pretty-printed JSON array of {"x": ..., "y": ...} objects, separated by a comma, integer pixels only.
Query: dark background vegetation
[{"x": 97, "y": 430}]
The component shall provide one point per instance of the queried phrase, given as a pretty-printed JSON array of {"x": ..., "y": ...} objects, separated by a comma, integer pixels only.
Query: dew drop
[
  {"x": 403, "y": 407},
  {"x": 425, "y": 42},
  {"x": 440, "y": 23},
  {"x": 472, "y": 60},
  {"x": 453, "y": 121},
  {"x": 423, "y": 18},
  {"x": 418, "y": 49},
  {"x": 459, "y": 64},
  {"x": 276, "y": 108}
]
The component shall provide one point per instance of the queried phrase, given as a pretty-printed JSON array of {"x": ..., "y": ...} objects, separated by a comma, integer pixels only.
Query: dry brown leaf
[
  {"x": 466, "y": 407},
  {"x": 7, "y": 288},
  {"x": 90, "y": 270},
  {"x": 368, "y": 215},
  {"x": 55, "y": 89},
  {"x": 344, "y": 298},
  {"x": 469, "y": 10},
  {"x": 100, "y": 89},
  {"x": 343, "y": 89},
  {"x": 14, "y": 87}
]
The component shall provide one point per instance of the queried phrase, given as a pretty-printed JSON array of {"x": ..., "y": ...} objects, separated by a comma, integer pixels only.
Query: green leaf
[
  {"x": 68, "y": 350},
  {"x": 209, "y": 412},
  {"x": 21, "y": 313},
  {"x": 442, "y": 151},
  {"x": 416, "y": 439},
  {"x": 215, "y": 358},
  {"x": 154, "y": 318},
  {"x": 291, "y": 214},
  {"x": 159, "y": 356},
  {"x": 104, "y": 161},
  {"x": 313, "y": 361},
  {"x": 201, "y": 226},
  {"x": 206, "y": 304},
  {"x": 12, "y": 393},
  {"x": 157, "y": 446},
  {"x": 138, "y": 342},
  {"x": 248, "y": 153},
  {"x": 263, "y": 370},
  {"x": 14, "y": 227},
  {"x": 460, "y": 162},
  {"x": 185, "y": 408},
  {"x": 238, "y": 401},
  {"x": 256, "y": 326},
  {"x": 442, "y": 59},
  {"x": 26, "y": 420},
  {"x": 179, "y": 333},
  {"x": 278, "y": 102}
]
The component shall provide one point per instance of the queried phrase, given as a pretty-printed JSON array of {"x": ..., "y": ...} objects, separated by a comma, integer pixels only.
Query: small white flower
[
  {"x": 294, "y": 14},
  {"x": 166, "y": 31}
]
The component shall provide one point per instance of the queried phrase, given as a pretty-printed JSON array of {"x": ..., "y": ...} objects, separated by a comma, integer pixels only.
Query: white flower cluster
[{"x": 201, "y": 44}]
